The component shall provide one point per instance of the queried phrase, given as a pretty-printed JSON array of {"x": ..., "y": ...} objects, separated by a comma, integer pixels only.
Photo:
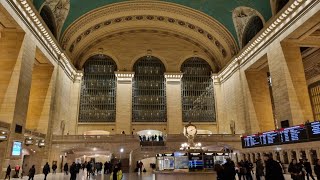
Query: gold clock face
[{"x": 191, "y": 130}]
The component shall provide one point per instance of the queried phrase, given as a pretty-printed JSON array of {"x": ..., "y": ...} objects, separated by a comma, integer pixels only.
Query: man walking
[
  {"x": 308, "y": 169},
  {"x": 273, "y": 169}
]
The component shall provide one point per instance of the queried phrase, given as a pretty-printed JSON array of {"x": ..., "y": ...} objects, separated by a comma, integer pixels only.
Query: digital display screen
[
  {"x": 269, "y": 138},
  {"x": 314, "y": 130},
  {"x": 293, "y": 134},
  {"x": 250, "y": 141},
  {"x": 16, "y": 148}
]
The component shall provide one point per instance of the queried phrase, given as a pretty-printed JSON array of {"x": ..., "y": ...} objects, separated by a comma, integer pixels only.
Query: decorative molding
[
  {"x": 124, "y": 77},
  {"x": 173, "y": 77},
  {"x": 216, "y": 79},
  {"x": 36, "y": 25},
  {"x": 267, "y": 34}
]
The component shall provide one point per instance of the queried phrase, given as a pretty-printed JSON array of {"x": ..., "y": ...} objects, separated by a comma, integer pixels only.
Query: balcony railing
[{"x": 95, "y": 138}]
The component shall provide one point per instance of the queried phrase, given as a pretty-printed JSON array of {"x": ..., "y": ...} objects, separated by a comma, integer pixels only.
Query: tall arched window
[
  {"x": 149, "y": 92},
  {"x": 252, "y": 28},
  {"x": 198, "y": 104},
  {"x": 49, "y": 19},
  {"x": 98, "y": 90}
]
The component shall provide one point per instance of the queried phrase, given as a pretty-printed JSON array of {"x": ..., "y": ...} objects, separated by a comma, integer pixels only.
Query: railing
[
  {"x": 205, "y": 138},
  {"x": 4, "y": 125},
  {"x": 32, "y": 133},
  {"x": 135, "y": 138},
  {"x": 152, "y": 143},
  {"x": 95, "y": 138}
]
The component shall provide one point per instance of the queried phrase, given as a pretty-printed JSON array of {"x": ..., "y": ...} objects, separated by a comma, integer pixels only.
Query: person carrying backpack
[{"x": 46, "y": 170}]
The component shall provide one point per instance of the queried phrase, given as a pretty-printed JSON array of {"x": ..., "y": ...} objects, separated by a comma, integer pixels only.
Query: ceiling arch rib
[{"x": 189, "y": 23}]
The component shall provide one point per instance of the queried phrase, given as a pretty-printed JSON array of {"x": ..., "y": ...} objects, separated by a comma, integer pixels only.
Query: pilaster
[
  {"x": 174, "y": 103},
  {"x": 124, "y": 101}
]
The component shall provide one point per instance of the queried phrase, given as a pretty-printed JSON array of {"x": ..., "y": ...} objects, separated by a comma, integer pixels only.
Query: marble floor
[{"x": 82, "y": 176}]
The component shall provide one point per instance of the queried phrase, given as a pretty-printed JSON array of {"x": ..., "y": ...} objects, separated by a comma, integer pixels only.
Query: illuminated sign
[{"x": 16, "y": 148}]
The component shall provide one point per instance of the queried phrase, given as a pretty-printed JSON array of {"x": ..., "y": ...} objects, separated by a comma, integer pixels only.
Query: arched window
[
  {"x": 149, "y": 92},
  {"x": 280, "y": 4},
  {"x": 49, "y": 19},
  {"x": 252, "y": 28},
  {"x": 198, "y": 104},
  {"x": 98, "y": 90}
]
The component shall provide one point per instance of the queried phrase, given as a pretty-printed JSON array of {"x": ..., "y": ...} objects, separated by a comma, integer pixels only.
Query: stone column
[
  {"x": 174, "y": 103},
  {"x": 124, "y": 102},
  {"x": 21, "y": 81},
  {"x": 290, "y": 91},
  {"x": 222, "y": 127}
]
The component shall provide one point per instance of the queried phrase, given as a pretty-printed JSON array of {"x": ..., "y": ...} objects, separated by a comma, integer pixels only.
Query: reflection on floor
[{"x": 82, "y": 176}]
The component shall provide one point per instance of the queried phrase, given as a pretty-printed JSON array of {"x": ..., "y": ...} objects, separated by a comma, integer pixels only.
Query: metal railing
[{"x": 95, "y": 138}]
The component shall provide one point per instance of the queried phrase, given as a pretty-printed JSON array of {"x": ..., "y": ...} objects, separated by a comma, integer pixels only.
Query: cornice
[
  {"x": 271, "y": 31},
  {"x": 34, "y": 22}
]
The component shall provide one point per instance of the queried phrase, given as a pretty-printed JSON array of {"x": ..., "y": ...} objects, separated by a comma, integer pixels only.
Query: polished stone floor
[{"x": 81, "y": 176}]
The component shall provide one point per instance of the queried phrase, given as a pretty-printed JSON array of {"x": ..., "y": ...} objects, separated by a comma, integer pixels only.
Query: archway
[
  {"x": 254, "y": 25},
  {"x": 49, "y": 19}
]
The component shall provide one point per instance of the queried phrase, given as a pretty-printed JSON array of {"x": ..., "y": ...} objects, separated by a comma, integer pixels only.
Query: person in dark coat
[
  {"x": 273, "y": 169},
  {"x": 317, "y": 169},
  {"x": 89, "y": 169},
  {"x": 8, "y": 172},
  {"x": 229, "y": 171},
  {"x": 66, "y": 168},
  {"x": 32, "y": 172},
  {"x": 219, "y": 169},
  {"x": 259, "y": 169},
  {"x": 249, "y": 166},
  {"x": 73, "y": 171},
  {"x": 46, "y": 170},
  {"x": 295, "y": 169},
  {"x": 54, "y": 168},
  {"x": 308, "y": 169}
]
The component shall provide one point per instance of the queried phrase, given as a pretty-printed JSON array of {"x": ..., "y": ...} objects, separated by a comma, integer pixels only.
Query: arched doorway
[{"x": 252, "y": 28}]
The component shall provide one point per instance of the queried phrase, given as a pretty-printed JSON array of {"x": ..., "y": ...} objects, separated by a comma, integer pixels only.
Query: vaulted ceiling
[{"x": 221, "y": 10}]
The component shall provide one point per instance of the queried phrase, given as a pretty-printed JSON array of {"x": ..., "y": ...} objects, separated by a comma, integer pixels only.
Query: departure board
[
  {"x": 250, "y": 141},
  {"x": 269, "y": 138},
  {"x": 300, "y": 133},
  {"x": 293, "y": 134},
  {"x": 314, "y": 130}
]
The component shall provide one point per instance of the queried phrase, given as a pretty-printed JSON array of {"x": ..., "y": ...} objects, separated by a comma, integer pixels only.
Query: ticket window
[
  {"x": 278, "y": 156},
  {"x": 293, "y": 155},
  {"x": 285, "y": 158},
  {"x": 254, "y": 158},
  {"x": 314, "y": 156},
  {"x": 303, "y": 155}
]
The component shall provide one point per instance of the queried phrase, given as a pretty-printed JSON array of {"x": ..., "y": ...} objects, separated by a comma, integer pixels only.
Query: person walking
[
  {"x": 116, "y": 174},
  {"x": 54, "y": 168},
  {"x": 66, "y": 168},
  {"x": 308, "y": 169},
  {"x": 229, "y": 171},
  {"x": 89, "y": 169},
  {"x": 249, "y": 166},
  {"x": 8, "y": 172},
  {"x": 32, "y": 172},
  {"x": 73, "y": 171},
  {"x": 46, "y": 170},
  {"x": 295, "y": 169},
  {"x": 317, "y": 169},
  {"x": 259, "y": 169},
  {"x": 17, "y": 170},
  {"x": 219, "y": 169},
  {"x": 273, "y": 169}
]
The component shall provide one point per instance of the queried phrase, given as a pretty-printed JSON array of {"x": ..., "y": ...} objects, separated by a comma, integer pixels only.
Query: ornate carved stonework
[
  {"x": 241, "y": 16},
  {"x": 60, "y": 9}
]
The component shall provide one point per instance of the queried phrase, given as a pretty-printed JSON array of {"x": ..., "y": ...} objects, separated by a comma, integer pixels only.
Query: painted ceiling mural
[{"x": 69, "y": 11}]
